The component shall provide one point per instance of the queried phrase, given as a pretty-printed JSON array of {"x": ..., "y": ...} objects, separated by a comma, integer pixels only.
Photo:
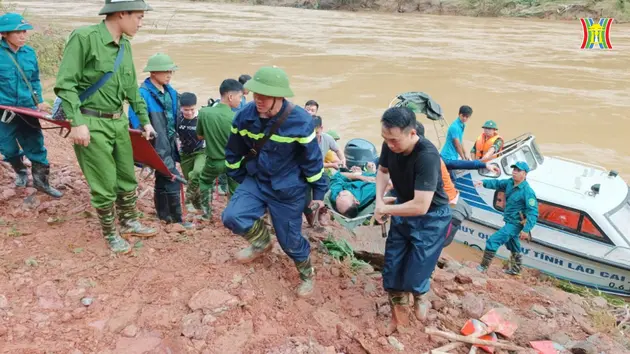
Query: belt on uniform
[{"x": 99, "y": 114}]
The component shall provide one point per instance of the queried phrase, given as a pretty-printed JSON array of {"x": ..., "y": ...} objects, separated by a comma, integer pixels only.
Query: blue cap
[
  {"x": 11, "y": 22},
  {"x": 521, "y": 165}
]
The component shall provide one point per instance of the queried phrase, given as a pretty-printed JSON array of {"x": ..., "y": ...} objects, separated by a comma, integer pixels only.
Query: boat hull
[{"x": 558, "y": 264}]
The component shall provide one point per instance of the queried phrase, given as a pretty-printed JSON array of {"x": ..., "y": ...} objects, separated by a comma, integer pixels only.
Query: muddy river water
[{"x": 527, "y": 75}]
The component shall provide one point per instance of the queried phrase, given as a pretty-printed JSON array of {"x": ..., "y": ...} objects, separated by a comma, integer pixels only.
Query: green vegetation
[{"x": 553, "y": 9}]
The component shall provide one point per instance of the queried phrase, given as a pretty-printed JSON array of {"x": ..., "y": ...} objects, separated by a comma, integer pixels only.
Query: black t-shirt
[
  {"x": 187, "y": 131},
  {"x": 419, "y": 170}
]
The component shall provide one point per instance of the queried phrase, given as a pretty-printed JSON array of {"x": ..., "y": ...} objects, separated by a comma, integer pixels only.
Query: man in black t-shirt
[{"x": 420, "y": 217}]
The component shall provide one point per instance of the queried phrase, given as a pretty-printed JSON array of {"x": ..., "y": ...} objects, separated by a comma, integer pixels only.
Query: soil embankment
[{"x": 61, "y": 290}]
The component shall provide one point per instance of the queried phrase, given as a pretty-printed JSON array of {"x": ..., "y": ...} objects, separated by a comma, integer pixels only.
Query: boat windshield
[
  {"x": 522, "y": 154},
  {"x": 537, "y": 153},
  {"x": 621, "y": 219}
]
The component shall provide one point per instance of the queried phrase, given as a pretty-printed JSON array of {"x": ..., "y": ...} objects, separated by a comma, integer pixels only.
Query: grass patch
[{"x": 342, "y": 252}]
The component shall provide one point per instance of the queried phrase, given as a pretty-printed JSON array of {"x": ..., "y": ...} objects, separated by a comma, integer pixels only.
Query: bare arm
[
  {"x": 419, "y": 205},
  {"x": 460, "y": 149},
  {"x": 353, "y": 177},
  {"x": 382, "y": 179}
]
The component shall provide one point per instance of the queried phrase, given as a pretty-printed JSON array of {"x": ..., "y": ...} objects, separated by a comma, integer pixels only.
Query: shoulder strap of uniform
[
  {"x": 253, "y": 152},
  {"x": 92, "y": 89},
  {"x": 24, "y": 78}
]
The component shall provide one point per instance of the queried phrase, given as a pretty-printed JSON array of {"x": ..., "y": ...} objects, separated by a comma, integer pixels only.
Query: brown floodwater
[{"x": 527, "y": 75}]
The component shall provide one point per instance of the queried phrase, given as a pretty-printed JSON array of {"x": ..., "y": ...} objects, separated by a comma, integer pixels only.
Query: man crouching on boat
[
  {"x": 520, "y": 200},
  {"x": 420, "y": 216}
]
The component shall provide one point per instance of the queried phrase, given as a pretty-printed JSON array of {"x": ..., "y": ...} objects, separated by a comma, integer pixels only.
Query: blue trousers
[
  {"x": 452, "y": 165},
  {"x": 508, "y": 235},
  {"x": 248, "y": 204},
  {"x": 29, "y": 138},
  {"x": 412, "y": 250}
]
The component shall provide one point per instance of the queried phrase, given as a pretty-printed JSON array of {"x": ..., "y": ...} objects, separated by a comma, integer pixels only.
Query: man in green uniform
[
  {"x": 520, "y": 200},
  {"x": 215, "y": 126},
  {"x": 100, "y": 56}
]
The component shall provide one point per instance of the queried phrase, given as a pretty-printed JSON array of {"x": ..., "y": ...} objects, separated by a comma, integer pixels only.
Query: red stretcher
[{"x": 143, "y": 151}]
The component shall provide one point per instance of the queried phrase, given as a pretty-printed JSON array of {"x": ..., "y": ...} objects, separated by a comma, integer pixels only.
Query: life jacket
[{"x": 482, "y": 145}]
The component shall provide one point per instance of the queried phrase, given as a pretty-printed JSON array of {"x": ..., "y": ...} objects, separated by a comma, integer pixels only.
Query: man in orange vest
[{"x": 488, "y": 143}]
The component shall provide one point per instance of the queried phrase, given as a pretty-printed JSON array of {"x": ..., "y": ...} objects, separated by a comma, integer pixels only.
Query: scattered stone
[
  {"x": 209, "y": 300},
  {"x": 442, "y": 276},
  {"x": 463, "y": 279},
  {"x": 335, "y": 272},
  {"x": 87, "y": 301},
  {"x": 8, "y": 194},
  {"x": 541, "y": 310},
  {"x": 123, "y": 318},
  {"x": 130, "y": 331},
  {"x": 583, "y": 348},
  {"x": 438, "y": 304},
  {"x": 75, "y": 294},
  {"x": 472, "y": 305},
  {"x": 382, "y": 341},
  {"x": 66, "y": 317},
  {"x": 191, "y": 324},
  {"x": 560, "y": 338},
  {"x": 4, "y": 303},
  {"x": 175, "y": 228},
  {"x": 600, "y": 302},
  {"x": 395, "y": 343},
  {"x": 48, "y": 297}
]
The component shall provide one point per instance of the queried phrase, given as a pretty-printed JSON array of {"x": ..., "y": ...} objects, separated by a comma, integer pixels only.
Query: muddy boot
[
  {"x": 516, "y": 262},
  {"x": 206, "y": 204},
  {"x": 116, "y": 243},
  {"x": 420, "y": 307},
  {"x": 399, "y": 303},
  {"x": 223, "y": 184},
  {"x": 260, "y": 240},
  {"x": 175, "y": 211},
  {"x": 21, "y": 178},
  {"x": 307, "y": 275},
  {"x": 40, "y": 180},
  {"x": 128, "y": 217},
  {"x": 486, "y": 260}
]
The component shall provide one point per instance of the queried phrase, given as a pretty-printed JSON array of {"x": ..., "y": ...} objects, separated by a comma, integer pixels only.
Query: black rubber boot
[
  {"x": 516, "y": 262},
  {"x": 486, "y": 261},
  {"x": 175, "y": 211},
  {"x": 21, "y": 179},
  {"x": 162, "y": 207},
  {"x": 40, "y": 180}
]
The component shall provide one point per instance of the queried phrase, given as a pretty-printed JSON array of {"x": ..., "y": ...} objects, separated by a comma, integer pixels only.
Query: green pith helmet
[
  {"x": 11, "y": 22},
  {"x": 270, "y": 81},
  {"x": 490, "y": 125},
  {"x": 160, "y": 62},
  {"x": 333, "y": 134},
  {"x": 112, "y": 6}
]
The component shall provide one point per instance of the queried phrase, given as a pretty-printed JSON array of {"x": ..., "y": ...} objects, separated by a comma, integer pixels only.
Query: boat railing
[
  {"x": 556, "y": 186},
  {"x": 615, "y": 248},
  {"x": 597, "y": 167}
]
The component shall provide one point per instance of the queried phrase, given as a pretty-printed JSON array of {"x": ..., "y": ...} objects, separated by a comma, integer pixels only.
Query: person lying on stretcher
[{"x": 351, "y": 192}]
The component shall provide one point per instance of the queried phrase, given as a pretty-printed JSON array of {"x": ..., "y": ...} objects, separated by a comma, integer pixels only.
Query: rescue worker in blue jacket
[
  {"x": 21, "y": 87},
  {"x": 163, "y": 105},
  {"x": 276, "y": 177},
  {"x": 520, "y": 216}
]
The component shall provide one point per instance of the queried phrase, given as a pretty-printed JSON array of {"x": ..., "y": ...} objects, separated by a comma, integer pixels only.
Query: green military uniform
[
  {"x": 192, "y": 167},
  {"x": 107, "y": 162},
  {"x": 215, "y": 126}
]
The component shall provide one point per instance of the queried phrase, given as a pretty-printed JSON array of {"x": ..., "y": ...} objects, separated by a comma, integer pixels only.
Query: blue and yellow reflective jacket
[
  {"x": 290, "y": 158},
  {"x": 517, "y": 199},
  {"x": 13, "y": 90}
]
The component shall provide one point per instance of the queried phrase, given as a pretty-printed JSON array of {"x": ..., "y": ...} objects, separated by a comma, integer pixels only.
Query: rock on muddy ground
[{"x": 184, "y": 293}]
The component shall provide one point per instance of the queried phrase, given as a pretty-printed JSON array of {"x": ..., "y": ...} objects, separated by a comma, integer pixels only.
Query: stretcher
[{"x": 143, "y": 151}]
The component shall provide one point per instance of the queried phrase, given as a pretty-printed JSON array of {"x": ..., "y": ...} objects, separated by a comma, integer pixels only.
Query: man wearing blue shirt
[
  {"x": 520, "y": 216},
  {"x": 453, "y": 147}
]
